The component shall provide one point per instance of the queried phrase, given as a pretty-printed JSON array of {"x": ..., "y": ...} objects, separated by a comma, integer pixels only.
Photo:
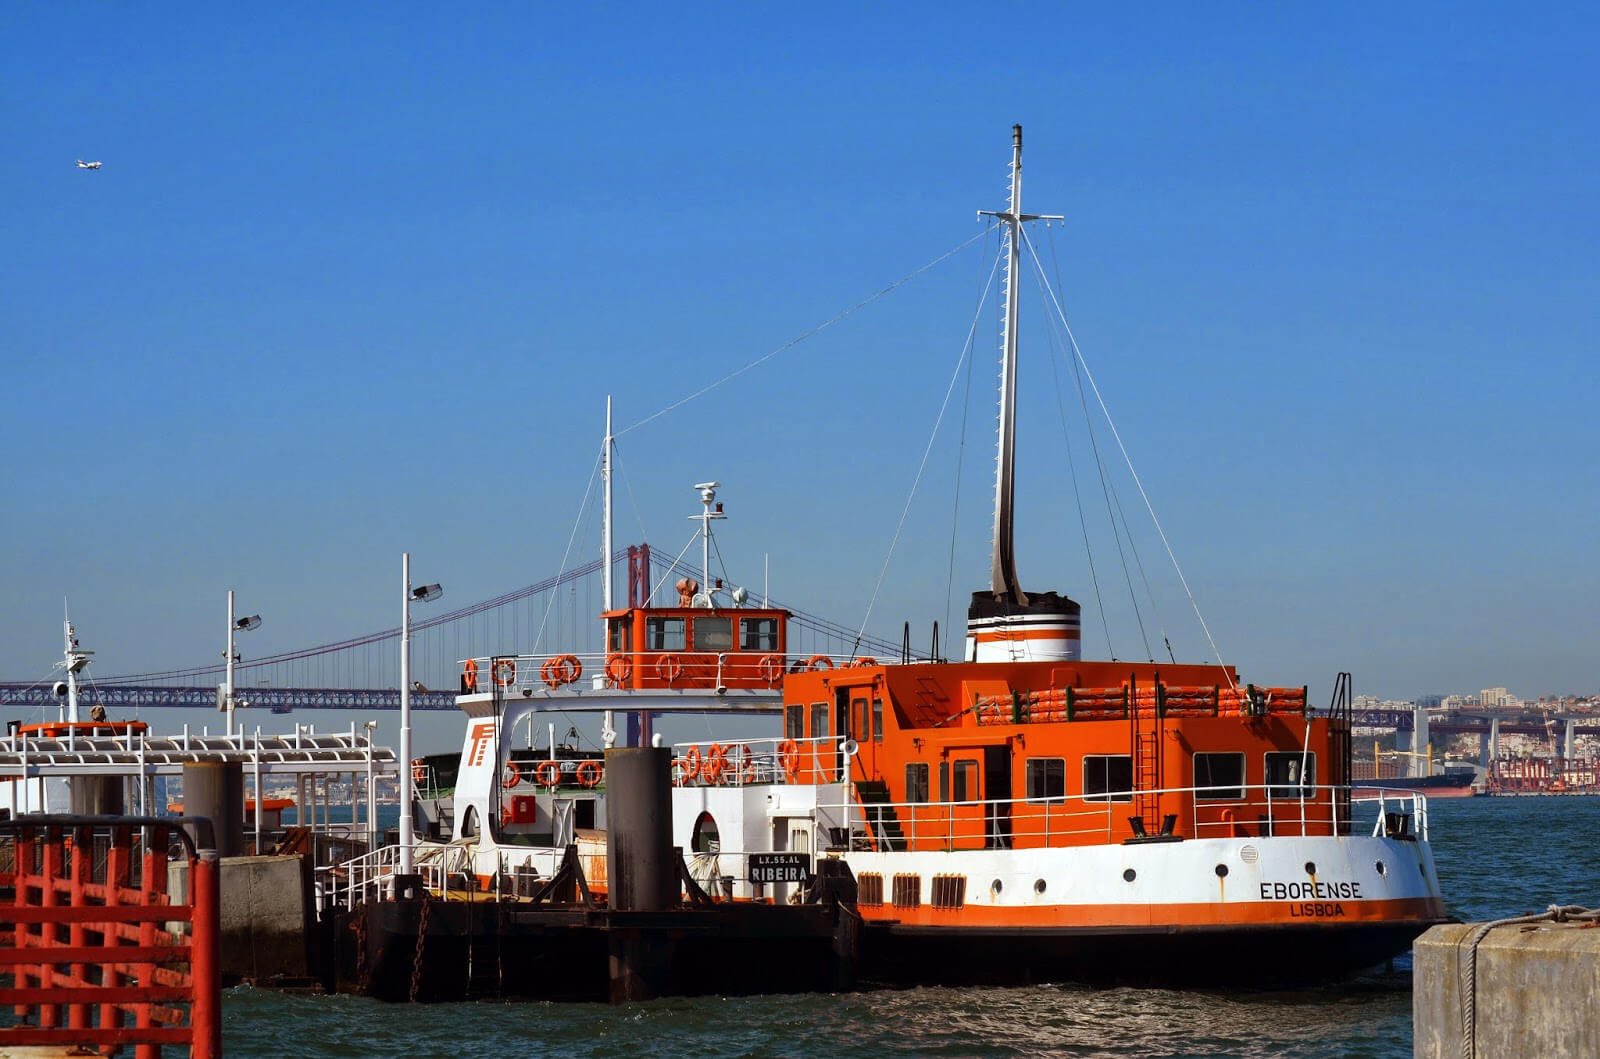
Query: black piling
[{"x": 641, "y": 871}]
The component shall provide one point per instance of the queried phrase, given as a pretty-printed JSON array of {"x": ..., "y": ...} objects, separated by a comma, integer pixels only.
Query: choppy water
[{"x": 1496, "y": 857}]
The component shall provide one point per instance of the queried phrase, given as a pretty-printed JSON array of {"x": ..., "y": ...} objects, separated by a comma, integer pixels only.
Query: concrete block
[
  {"x": 266, "y": 916},
  {"x": 1538, "y": 992}
]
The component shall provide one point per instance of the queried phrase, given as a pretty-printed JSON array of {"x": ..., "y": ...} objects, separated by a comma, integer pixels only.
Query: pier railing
[
  {"x": 1238, "y": 811},
  {"x": 448, "y": 871},
  {"x": 98, "y": 953}
]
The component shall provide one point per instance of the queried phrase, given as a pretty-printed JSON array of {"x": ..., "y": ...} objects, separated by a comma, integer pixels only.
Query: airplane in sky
[{"x": 88, "y": 165}]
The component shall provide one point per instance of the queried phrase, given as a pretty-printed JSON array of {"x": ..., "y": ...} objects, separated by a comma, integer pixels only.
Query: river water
[{"x": 1496, "y": 857}]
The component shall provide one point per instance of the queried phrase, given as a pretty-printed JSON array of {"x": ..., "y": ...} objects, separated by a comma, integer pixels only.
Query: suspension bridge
[{"x": 558, "y": 614}]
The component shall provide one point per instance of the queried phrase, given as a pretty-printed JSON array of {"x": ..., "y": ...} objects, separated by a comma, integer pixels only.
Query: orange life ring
[
  {"x": 469, "y": 675},
  {"x": 419, "y": 770},
  {"x": 505, "y": 672},
  {"x": 715, "y": 765},
  {"x": 771, "y": 668},
  {"x": 589, "y": 773},
  {"x": 620, "y": 669},
  {"x": 789, "y": 758},
  {"x": 669, "y": 668},
  {"x": 562, "y": 669},
  {"x": 865, "y": 660},
  {"x": 691, "y": 763},
  {"x": 547, "y": 773},
  {"x": 513, "y": 776},
  {"x": 816, "y": 662}
]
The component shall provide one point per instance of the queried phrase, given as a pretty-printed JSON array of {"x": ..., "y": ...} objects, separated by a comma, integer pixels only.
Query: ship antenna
[{"x": 1003, "y": 569}]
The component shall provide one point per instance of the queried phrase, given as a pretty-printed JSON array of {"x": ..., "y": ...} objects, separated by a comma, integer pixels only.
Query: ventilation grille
[
  {"x": 949, "y": 891},
  {"x": 869, "y": 889},
  {"x": 907, "y": 891}
]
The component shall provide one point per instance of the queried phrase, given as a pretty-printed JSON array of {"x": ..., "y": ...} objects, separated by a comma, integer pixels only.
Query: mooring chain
[{"x": 416, "y": 959}]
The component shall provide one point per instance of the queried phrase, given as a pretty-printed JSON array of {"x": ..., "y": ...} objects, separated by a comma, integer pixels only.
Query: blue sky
[{"x": 358, "y": 280}]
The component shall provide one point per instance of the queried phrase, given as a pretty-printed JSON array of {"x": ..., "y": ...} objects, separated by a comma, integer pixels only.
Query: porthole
[
  {"x": 1130, "y": 875},
  {"x": 1383, "y": 869},
  {"x": 1311, "y": 867},
  {"x": 995, "y": 887},
  {"x": 1038, "y": 886},
  {"x": 1222, "y": 871}
]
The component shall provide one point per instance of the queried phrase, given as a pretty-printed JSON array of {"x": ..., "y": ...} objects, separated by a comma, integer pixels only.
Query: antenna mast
[{"x": 1003, "y": 568}]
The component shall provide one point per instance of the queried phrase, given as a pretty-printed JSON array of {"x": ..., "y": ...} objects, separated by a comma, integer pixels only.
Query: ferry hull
[{"x": 1272, "y": 956}]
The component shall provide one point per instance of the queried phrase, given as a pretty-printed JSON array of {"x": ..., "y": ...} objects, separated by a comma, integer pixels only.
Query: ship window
[
  {"x": 619, "y": 634},
  {"x": 758, "y": 634},
  {"x": 877, "y": 720},
  {"x": 944, "y": 781},
  {"x": 1284, "y": 775},
  {"x": 819, "y": 720},
  {"x": 917, "y": 782},
  {"x": 1222, "y": 773},
  {"x": 858, "y": 719},
  {"x": 705, "y": 838},
  {"x": 1108, "y": 778},
  {"x": 663, "y": 634},
  {"x": 1047, "y": 779},
  {"x": 794, "y": 721},
  {"x": 713, "y": 634},
  {"x": 966, "y": 782}
]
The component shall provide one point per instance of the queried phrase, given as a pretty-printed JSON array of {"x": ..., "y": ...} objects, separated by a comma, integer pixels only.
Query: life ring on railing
[
  {"x": 771, "y": 668},
  {"x": 816, "y": 662},
  {"x": 789, "y": 758},
  {"x": 716, "y": 763},
  {"x": 669, "y": 668},
  {"x": 469, "y": 675},
  {"x": 419, "y": 770},
  {"x": 505, "y": 672},
  {"x": 513, "y": 776},
  {"x": 547, "y": 773},
  {"x": 865, "y": 660},
  {"x": 691, "y": 763},
  {"x": 620, "y": 669},
  {"x": 589, "y": 773},
  {"x": 562, "y": 669}
]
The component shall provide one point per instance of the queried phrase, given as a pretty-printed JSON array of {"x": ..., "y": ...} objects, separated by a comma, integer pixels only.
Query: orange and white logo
[{"x": 482, "y": 735}]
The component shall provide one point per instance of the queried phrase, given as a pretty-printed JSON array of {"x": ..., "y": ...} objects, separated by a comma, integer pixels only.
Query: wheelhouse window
[
  {"x": 1219, "y": 777},
  {"x": 819, "y": 720},
  {"x": 664, "y": 634},
  {"x": 713, "y": 634},
  {"x": 794, "y": 721},
  {"x": 917, "y": 782},
  {"x": 1108, "y": 778},
  {"x": 1046, "y": 779},
  {"x": 758, "y": 634},
  {"x": 877, "y": 720},
  {"x": 944, "y": 781},
  {"x": 966, "y": 782},
  {"x": 858, "y": 720},
  {"x": 619, "y": 634},
  {"x": 1291, "y": 774}
]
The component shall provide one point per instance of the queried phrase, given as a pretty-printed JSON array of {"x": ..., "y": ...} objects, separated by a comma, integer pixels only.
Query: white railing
[
  {"x": 448, "y": 871},
  {"x": 750, "y": 762},
  {"x": 1259, "y": 811}
]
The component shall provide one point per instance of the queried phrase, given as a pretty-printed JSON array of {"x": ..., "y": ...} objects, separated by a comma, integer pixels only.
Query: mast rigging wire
[
  {"x": 1148, "y": 506},
  {"x": 819, "y": 328}
]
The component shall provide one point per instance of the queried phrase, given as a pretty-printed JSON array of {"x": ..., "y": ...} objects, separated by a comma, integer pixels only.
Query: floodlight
[
  {"x": 246, "y": 624},
  {"x": 426, "y": 593}
]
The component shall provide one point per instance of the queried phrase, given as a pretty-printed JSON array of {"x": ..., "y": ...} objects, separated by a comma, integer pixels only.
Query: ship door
[
  {"x": 841, "y": 725},
  {"x": 790, "y": 834},
  {"x": 997, "y": 796},
  {"x": 862, "y": 730}
]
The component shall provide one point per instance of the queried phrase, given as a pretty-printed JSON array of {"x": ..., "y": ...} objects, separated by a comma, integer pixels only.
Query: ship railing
[
  {"x": 517, "y": 675},
  {"x": 1235, "y": 811},
  {"x": 752, "y": 762}
]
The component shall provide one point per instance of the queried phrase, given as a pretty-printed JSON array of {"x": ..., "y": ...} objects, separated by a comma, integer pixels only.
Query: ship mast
[
  {"x": 1003, "y": 568},
  {"x": 73, "y": 659}
]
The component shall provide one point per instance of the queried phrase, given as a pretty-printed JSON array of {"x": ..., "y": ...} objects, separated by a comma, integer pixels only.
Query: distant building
[
  {"x": 1430, "y": 701},
  {"x": 1493, "y": 698}
]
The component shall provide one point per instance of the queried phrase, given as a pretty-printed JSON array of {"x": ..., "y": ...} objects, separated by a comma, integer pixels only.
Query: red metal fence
[{"x": 96, "y": 951}]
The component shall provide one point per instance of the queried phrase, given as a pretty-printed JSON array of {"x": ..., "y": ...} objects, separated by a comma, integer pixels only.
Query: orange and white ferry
[{"x": 1020, "y": 814}]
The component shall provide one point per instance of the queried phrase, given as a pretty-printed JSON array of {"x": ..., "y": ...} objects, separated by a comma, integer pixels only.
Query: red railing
[{"x": 98, "y": 953}]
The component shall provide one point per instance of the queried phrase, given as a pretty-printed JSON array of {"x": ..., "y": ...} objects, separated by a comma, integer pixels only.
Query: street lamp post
[
  {"x": 231, "y": 656},
  {"x": 408, "y": 595}
]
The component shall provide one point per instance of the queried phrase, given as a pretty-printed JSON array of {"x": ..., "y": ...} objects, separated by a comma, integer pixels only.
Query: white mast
[
  {"x": 73, "y": 659},
  {"x": 711, "y": 510},
  {"x": 608, "y": 731},
  {"x": 1003, "y": 568}
]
